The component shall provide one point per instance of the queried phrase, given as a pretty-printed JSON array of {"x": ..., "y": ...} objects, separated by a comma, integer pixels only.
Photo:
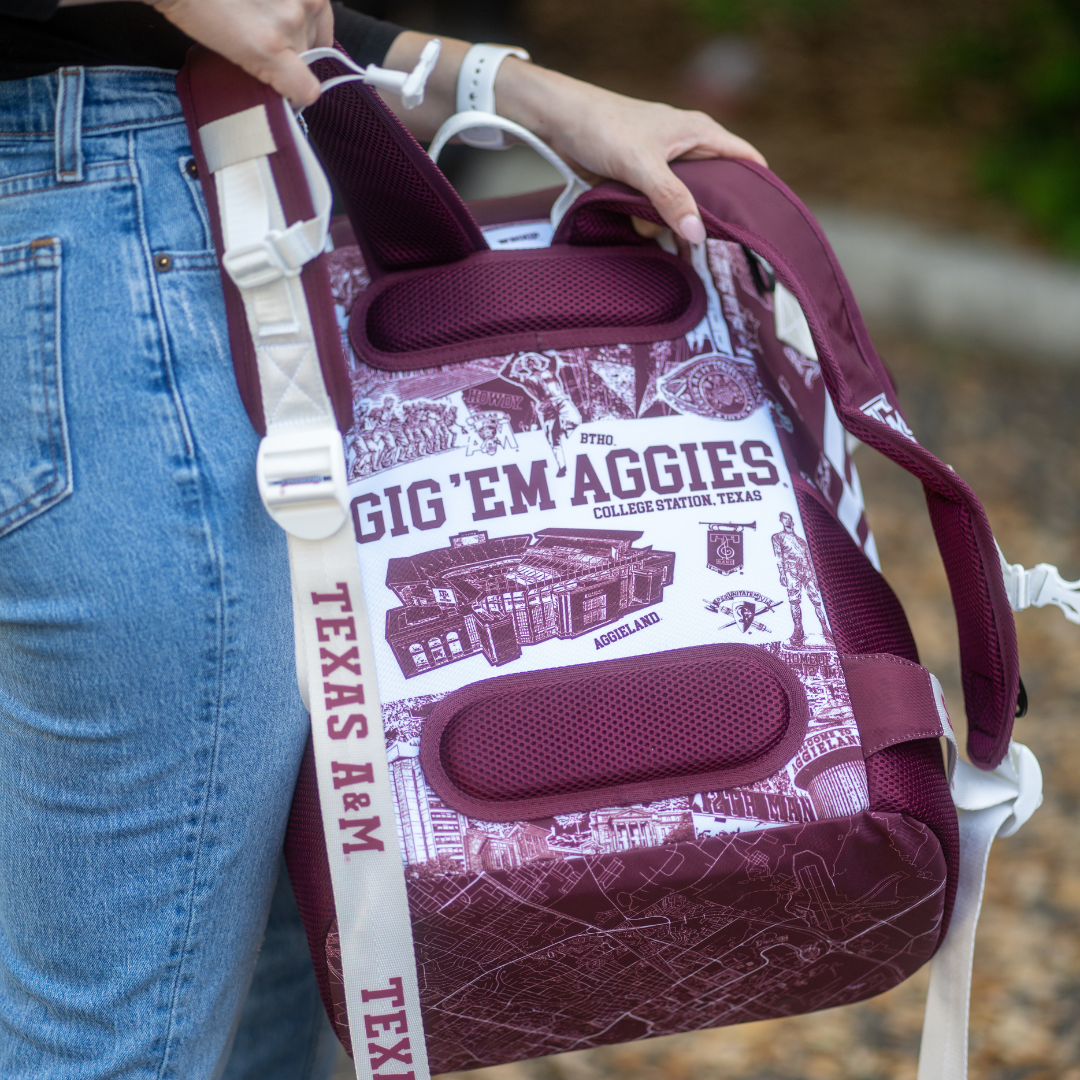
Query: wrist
[{"x": 546, "y": 102}]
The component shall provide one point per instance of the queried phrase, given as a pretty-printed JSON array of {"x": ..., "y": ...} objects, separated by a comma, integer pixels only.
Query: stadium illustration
[{"x": 495, "y": 595}]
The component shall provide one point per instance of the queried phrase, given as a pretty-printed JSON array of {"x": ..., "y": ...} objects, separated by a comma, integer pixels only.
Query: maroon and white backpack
[{"x": 617, "y": 728}]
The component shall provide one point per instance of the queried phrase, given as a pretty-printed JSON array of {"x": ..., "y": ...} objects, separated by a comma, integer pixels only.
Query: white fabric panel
[
  {"x": 833, "y": 437},
  {"x": 790, "y": 323},
  {"x": 237, "y": 138},
  {"x": 849, "y": 511}
]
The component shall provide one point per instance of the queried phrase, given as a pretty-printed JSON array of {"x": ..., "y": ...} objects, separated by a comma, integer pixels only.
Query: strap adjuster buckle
[
  {"x": 302, "y": 480},
  {"x": 262, "y": 263}
]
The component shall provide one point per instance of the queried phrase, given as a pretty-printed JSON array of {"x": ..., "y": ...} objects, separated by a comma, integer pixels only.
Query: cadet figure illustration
[
  {"x": 559, "y": 416},
  {"x": 797, "y": 575}
]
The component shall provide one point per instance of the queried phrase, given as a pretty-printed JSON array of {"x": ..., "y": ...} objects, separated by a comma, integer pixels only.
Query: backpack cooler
[{"x": 659, "y": 753}]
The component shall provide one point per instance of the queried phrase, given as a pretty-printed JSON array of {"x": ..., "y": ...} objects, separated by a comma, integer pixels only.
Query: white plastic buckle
[
  {"x": 261, "y": 263},
  {"x": 302, "y": 481},
  {"x": 1039, "y": 586}
]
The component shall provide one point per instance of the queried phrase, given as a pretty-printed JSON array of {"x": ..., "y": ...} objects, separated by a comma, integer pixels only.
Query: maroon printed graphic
[
  {"x": 507, "y": 398},
  {"x": 728, "y": 265},
  {"x": 713, "y": 386},
  {"x": 724, "y": 547},
  {"x": 675, "y": 937},
  {"x": 490, "y": 430},
  {"x": 391, "y": 433},
  {"x": 559, "y": 413},
  {"x": 744, "y": 608},
  {"x": 492, "y": 596},
  {"x": 797, "y": 576}
]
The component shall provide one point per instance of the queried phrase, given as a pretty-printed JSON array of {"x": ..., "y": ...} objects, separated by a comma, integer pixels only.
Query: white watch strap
[{"x": 476, "y": 90}]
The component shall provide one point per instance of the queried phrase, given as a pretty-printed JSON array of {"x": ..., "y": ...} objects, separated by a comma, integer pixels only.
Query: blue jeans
[{"x": 150, "y": 725}]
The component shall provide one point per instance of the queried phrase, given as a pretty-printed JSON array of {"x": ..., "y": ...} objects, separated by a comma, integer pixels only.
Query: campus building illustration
[{"x": 493, "y": 596}]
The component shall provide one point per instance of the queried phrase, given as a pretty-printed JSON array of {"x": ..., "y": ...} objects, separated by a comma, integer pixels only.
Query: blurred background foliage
[
  {"x": 1017, "y": 78},
  {"x": 964, "y": 113},
  {"x": 742, "y": 15}
]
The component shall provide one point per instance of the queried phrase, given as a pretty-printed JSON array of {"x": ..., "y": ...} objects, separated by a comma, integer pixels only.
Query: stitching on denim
[
  {"x": 84, "y": 184},
  {"x": 10, "y": 512}
]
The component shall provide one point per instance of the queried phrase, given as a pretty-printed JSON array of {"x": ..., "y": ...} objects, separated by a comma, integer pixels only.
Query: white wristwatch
[{"x": 476, "y": 90}]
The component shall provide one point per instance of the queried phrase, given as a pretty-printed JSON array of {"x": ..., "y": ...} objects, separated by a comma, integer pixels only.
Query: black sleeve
[
  {"x": 365, "y": 39},
  {"x": 29, "y": 9}
]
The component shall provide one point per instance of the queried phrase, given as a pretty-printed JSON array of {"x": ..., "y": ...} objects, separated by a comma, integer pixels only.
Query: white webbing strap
[
  {"x": 302, "y": 480},
  {"x": 988, "y": 804},
  {"x": 377, "y": 960}
]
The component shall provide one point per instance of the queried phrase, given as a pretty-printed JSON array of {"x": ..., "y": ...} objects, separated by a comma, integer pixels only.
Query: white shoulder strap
[
  {"x": 302, "y": 480},
  {"x": 988, "y": 804}
]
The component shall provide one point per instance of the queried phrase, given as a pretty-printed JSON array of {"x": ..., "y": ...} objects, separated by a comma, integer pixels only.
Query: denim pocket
[{"x": 35, "y": 461}]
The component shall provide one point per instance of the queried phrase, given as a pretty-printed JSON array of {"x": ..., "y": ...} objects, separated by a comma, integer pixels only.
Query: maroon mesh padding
[
  {"x": 309, "y": 871},
  {"x": 864, "y": 613},
  {"x": 525, "y": 294},
  {"x": 910, "y": 779},
  {"x": 568, "y": 736},
  {"x": 518, "y": 747},
  {"x": 403, "y": 210}
]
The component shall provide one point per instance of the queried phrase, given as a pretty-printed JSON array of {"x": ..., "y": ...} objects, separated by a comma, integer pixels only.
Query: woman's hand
[
  {"x": 264, "y": 37},
  {"x": 606, "y": 135},
  {"x": 600, "y": 134}
]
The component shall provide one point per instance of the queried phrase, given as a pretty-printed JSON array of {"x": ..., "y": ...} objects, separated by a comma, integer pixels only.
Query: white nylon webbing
[
  {"x": 366, "y": 870},
  {"x": 301, "y": 476},
  {"x": 988, "y": 804},
  {"x": 239, "y": 137}
]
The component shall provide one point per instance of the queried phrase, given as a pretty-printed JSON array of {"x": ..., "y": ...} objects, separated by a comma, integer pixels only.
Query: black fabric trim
[{"x": 36, "y": 38}]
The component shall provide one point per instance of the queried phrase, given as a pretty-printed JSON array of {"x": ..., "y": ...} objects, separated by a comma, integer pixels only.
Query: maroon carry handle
[{"x": 748, "y": 204}]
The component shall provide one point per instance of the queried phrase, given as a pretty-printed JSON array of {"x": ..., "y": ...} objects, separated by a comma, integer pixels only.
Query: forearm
[{"x": 544, "y": 101}]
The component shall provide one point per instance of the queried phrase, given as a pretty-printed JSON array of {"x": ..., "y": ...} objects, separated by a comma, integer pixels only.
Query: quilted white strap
[
  {"x": 988, "y": 804},
  {"x": 463, "y": 121},
  {"x": 476, "y": 91},
  {"x": 1040, "y": 586},
  {"x": 302, "y": 481}
]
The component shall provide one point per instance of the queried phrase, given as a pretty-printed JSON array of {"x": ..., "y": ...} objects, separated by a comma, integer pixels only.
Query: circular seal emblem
[{"x": 712, "y": 386}]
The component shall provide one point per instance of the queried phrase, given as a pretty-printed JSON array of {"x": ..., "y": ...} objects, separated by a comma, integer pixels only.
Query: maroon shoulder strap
[
  {"x": 211, "y": 87},
  {"x": 746, "y": 203},
  {"x": 404, "y": 212}
]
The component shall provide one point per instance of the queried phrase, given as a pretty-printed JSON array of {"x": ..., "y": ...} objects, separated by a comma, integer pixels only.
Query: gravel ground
[{"x": 1009, "y": 429}]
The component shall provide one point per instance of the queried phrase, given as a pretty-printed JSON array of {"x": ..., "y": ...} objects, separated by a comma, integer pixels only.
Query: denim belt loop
[{"x": 69, "y": 102}]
